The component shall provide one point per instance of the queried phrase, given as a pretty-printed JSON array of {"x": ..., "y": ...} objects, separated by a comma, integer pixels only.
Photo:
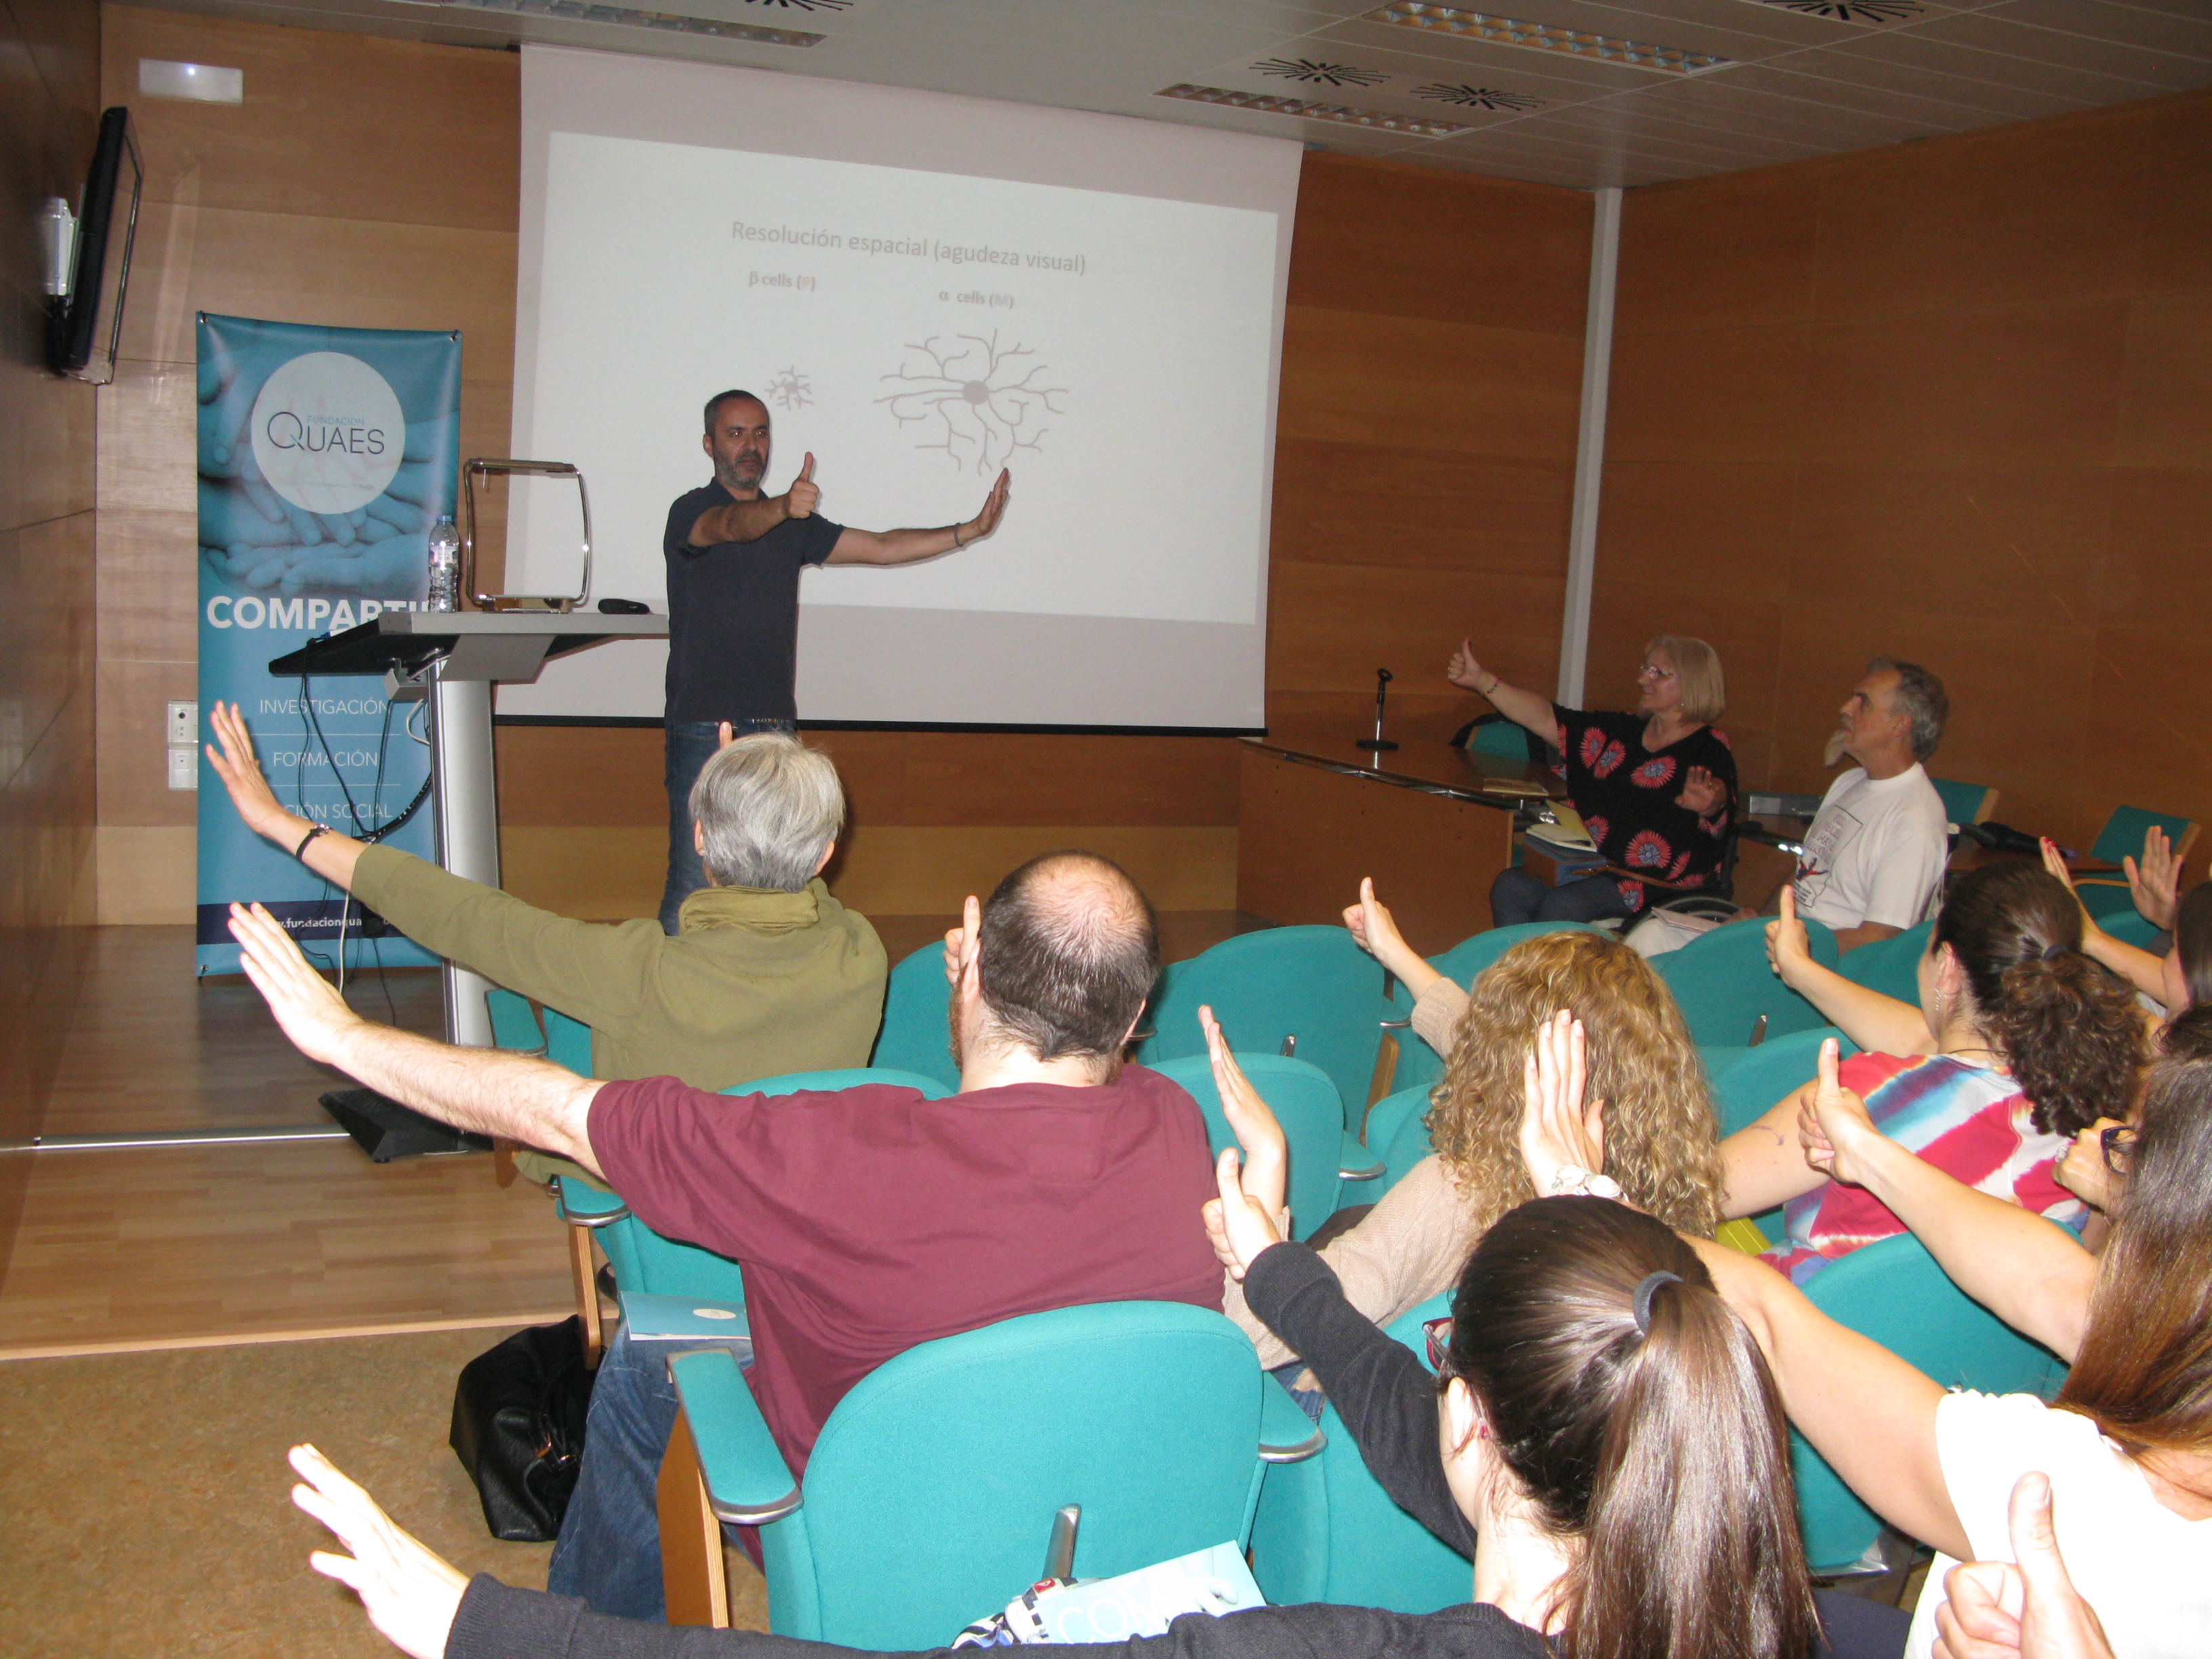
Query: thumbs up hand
[
  {"x": 805, "y": 494},
  {"x": 1787, "y": 947}
]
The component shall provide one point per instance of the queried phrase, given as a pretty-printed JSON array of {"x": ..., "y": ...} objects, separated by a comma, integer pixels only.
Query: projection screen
[{"x": 923, "y": 289}]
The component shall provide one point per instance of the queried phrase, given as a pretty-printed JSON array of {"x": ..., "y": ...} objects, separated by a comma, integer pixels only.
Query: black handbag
[{"x": 519, "y": 1411}]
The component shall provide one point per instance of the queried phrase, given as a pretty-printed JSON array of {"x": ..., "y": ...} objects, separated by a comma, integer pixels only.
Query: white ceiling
[{"x": 1799, "y": 82}]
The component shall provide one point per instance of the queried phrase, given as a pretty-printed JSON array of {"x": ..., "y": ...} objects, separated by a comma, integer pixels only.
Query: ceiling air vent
[
  {"x": 1319, "y": 74},
  {"x": 580, "y": 11},
  {"x": 1478, "y": 97},
  {"x": 1852, "y": 11}
]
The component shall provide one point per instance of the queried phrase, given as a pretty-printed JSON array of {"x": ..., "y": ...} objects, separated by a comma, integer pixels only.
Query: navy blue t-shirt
[{"x": 733, "y": 613}]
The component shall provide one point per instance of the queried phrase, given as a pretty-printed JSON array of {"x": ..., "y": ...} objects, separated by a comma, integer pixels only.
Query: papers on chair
[
  {"x": 682, "y": 1319},
  {"x": 1141, "y": 1603},
  {"x": 1567, "y": 832}
]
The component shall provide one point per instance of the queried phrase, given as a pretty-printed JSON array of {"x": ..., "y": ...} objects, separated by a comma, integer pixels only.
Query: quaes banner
[{"x": 325, "y": 456}]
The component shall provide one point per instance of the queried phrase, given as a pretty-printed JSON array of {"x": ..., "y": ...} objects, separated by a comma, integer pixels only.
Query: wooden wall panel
[
  {"x": 1951, "y": 401},
  {"x": 49, "y": 108}
]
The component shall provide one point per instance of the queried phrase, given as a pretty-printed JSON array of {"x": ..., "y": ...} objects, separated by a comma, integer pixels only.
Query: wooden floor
[{"x": 181, "y": 1246}]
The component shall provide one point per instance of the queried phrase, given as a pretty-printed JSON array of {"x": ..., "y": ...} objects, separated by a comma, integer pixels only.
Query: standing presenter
[{"x": 734, "y": 556}]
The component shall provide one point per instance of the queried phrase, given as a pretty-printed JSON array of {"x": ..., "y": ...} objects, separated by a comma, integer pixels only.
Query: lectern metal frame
[{"x": 451, "y": 658}]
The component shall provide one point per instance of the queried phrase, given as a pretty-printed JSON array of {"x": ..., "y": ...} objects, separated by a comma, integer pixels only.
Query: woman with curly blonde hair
[{"x": 1659, "y": 1139}]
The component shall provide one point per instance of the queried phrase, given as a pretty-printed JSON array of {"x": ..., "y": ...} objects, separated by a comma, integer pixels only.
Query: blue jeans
[
  {"x": 609, "y": 1551},
  {"x": 690, "y": 745},
  {"x": 1516, "y": 896}
]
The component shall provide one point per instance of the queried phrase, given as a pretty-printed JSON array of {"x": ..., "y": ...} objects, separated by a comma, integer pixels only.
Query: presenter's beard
[{"x": 744, "y": 472}]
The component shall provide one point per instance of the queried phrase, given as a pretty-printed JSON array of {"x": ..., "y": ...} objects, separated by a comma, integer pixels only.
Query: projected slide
[{"x": 917, "y": 329}]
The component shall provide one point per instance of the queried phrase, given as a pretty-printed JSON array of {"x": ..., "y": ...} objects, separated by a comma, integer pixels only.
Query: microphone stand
[{"x": 1379, "y": 741}]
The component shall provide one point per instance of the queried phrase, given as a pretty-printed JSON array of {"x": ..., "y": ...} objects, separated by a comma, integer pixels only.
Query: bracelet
[
  {"x": 1494, "y": 683},
  {"x": 320, "y": 829},
  {"x": 957, "y": 542},
  {"x": 1573, "y": 1178}
]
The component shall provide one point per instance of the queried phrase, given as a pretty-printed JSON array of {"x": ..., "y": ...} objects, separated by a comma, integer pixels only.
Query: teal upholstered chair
[
  {"x": 1890, "y": 966},
  {"x": 1304, "y": 1102},
  {"x": 513, "y": 1023},
  {"x": 1420, "y": 1066},
  {"x": 1327, "y": 1532},
  {"x": 1396, "y": 1136},
  {"x": 1496, "y": 735},
  {"x": 1893, "y": 1292},
  {"x": 1746, "y": 1082},
  {"x": 931, "y": 1497},
  {"x": 567, "y": 1042},
  {"x": 2122, "y": 837},
  {"x": 1723, "y": 984},
  {"x": 914, "y": 1036},
  {"x": 1310, "y": 991},
  {"x": 1965, "y": 803}
]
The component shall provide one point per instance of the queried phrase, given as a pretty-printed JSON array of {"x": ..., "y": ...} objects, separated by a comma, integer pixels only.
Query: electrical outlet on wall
[
  {"x": 184, "y": 765},
  {"x": 184, "y": 722}
]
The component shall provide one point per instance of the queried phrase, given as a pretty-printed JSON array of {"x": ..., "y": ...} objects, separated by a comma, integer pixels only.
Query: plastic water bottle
[{"x": 445, "y": 565}]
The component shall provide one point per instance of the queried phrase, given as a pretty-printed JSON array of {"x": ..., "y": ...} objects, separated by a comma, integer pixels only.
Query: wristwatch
[{"x": 1573, "y": 1178}]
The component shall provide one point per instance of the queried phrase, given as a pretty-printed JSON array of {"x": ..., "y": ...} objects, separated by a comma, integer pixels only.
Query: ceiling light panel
[
  {"x": 1461, "y": 23},
  {"x": 1309, "y": 109},
  {"x": 582, "y": 11}
]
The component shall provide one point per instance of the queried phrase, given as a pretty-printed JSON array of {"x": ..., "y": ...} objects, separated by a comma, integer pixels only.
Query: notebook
[{"x": 1567, "y": 831}]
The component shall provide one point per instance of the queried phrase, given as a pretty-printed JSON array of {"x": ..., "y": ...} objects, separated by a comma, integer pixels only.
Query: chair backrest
[
  {"x": 2123, "y": 834},
  {"x": 1890, "y": 966},
  {"x": 1748, "y": 1082},
  {"x": 1304, "y": 1102},
  {"x": 645, "y": 1262},
  {"x": 1311, "y": 982},
  {"x": 513, "y": 1024},
  {"x": 1965, "y": 803},
  {"x": 1390, "y": 1139},
  {"x": 567, "y": 1042},
  {"x": 1893, "y": 1292},
  {"x": 1327, "y": 1532},
  {"x": 1493, "y": 734},
  {"x": 913, "y": 1035},
  {"x": 930, "y": 1496},
  {"x": 1420, "y": 1066},
  {"x": 1723, "y": 984}
]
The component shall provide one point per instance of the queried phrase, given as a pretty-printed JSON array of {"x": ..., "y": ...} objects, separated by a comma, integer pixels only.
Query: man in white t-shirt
[{"x": 1873, "y": 863}]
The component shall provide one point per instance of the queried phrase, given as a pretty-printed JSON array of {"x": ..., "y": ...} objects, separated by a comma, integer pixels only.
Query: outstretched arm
[
  {"x": 1526, "y": 708},
  {"x": 329, "y": 855},
  {"x": 1870, "y": 1414},
  {"x": 748, "y": 521},
  {"x": 1879, "y": 1024},
  {"x": 905, "y": 546},
  {"x": 1376, "y": 931},
  {"x": 2138, "y": 967},
  {"x": 481, "y": 1089},
  {"x": 2029, "y": 1272}
]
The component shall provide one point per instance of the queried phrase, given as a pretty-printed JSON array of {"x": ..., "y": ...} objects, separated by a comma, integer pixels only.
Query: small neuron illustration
[
  {"x": 791, "y": 390},
  {"x": 975, "y": 400}
]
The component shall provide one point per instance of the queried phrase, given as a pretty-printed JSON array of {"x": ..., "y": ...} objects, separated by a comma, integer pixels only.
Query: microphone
[{"x": 1382, "y": 690}]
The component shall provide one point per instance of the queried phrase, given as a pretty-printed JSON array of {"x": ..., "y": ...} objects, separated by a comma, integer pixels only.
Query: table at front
[
  {"x": 451, "y": 657},
  {"x": 1315, "y": 813}
]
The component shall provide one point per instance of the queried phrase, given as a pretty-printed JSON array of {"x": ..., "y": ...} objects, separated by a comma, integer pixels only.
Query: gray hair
[
  {"x": 1920, "y": 698},
  {"x": 768, "y": 808}
]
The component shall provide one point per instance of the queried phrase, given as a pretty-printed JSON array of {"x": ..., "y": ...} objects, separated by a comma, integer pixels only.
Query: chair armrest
[
  {"x": 1405, "y": 1025},
  {"x": 1287, "y": 1435},
  {"x": 1355, "y": 1162},
  {"x": 579, "y": 1206},
  {"x": 748, "y": 1482}
]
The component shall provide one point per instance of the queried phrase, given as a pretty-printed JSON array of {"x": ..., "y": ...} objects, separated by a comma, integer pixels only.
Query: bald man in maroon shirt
[{"x": 867, "y": 1220}]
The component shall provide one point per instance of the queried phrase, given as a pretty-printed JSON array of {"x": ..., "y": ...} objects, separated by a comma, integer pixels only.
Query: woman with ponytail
[
  {"x": 1604, "y": 1442},
  {"x": 2019, "y": 1042}
]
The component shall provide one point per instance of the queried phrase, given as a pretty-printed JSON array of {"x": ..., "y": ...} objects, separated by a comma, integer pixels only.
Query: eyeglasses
[
  {"x": 1439, "y": 1334},
  {"x": 1652, "y": 671},
  {"x": 2118, "y": 1145}
]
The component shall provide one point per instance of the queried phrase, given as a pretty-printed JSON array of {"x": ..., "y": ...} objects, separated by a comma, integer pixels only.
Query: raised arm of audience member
[
  {"x": 2146, "y": 972},
  {"x": 1439, "y": 1003},
  {"x": 1531, "y": 709},
  {"x": 2023, "y": 1608},
  {"x": 2154, "y": 885},
  {"x": 1266, "y": 1153},
  {"x": 1874, "y": 1022},
  {"x": 2030, "y": 1272}
]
